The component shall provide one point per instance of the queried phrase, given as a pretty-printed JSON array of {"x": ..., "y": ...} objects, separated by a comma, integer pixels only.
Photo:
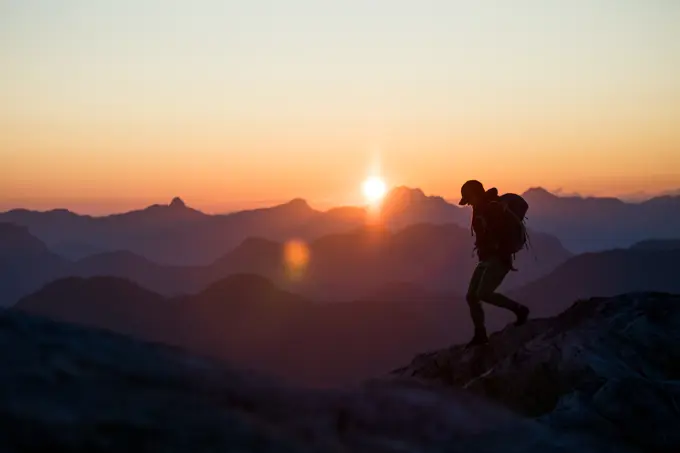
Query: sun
[{"x": 374, "y": 189}]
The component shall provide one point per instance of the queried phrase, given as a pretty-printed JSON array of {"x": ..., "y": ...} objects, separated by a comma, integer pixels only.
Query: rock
[
  {"x": 614, "y": 362},
  {"x": 69, "y": 389},
  {"x": 601, "y": 377}
]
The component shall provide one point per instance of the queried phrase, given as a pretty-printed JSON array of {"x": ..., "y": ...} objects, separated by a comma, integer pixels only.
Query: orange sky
[{"x": 109, "y": 108}]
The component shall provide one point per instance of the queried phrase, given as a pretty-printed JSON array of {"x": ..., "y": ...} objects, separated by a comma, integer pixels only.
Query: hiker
[{"x": 499, "y": 233}]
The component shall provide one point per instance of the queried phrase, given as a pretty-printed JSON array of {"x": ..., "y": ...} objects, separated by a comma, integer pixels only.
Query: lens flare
[{"x": 296, "y": 258}]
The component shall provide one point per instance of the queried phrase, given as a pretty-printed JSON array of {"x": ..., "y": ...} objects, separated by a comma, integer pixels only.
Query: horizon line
[{"x": 251, "y": 205}]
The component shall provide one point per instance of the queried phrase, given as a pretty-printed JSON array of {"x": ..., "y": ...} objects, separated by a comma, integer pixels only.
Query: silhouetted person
[{"x": 495, "y": 250}]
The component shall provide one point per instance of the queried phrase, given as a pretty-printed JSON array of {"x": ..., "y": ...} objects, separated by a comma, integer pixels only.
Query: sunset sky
[{"x": 112, "y": 105}]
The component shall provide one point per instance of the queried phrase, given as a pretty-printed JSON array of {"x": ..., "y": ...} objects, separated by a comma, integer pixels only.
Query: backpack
[{"x": 515, "y": 208}]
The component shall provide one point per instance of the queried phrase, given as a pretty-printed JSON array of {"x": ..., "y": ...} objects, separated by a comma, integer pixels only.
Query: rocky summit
[
  {"x": 608, "y": 368},
  {"x": 71, "y": 389},
  {"x": 601, "y": 377}
]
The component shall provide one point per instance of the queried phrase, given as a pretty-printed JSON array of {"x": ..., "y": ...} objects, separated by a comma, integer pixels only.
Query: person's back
[
  {"x": 488, "y": 228},
  {"x": 495, "y": 258}
]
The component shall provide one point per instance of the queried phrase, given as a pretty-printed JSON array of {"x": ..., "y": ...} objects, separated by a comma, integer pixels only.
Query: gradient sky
[{"x": 110, "y": 105}]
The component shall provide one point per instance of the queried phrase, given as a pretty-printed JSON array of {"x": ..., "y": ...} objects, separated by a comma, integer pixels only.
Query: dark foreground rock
[
  {"x": 70, "y": 389},
  {"x": 608, "y": 368}
]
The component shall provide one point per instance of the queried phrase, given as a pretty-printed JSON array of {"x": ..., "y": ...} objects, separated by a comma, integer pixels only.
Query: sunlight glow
[{"x": 374, "y": 189}]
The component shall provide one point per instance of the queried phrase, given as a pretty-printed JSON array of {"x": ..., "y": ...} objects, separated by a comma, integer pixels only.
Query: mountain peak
[
  {"x": 298, "y": 202},
  {"x": 403, "y": 191},
  {"x": 248, "y": 288},
  {"x": 177, "y": 203},
  {"x": 298, "y": 205},
  {"x": 539, "y": 192},
  {"x": 403, "y": 198}
]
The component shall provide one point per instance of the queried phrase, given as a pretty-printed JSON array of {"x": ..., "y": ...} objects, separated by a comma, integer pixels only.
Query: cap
[{"x": 469, "y": 189}]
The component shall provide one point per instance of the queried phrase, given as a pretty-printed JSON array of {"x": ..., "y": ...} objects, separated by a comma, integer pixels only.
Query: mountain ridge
[
  {"x": 248, "y": 318},
  {"x": 341, "y": 266},
  {"x": 418, "y": 193},
  {"x": 251, "y": 322},
  {"x": 600, "y": 364},
  {"x": 601, "y": 274},
  {"x": 180, "y": 235}
]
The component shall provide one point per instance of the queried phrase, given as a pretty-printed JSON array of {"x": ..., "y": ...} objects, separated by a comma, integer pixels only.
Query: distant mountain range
[
  {"x": 25, "y": 262},
  {"x": 248, "y": 319},
  {"x": 401, "y": 280},
  {"x": 171, "y": 233},
  {"x": 403, "y": 285},
  {"x": 657, "y": 244},
  {"x": 179, "y": 235},
  {"x": 594, "y": 224},
  {"x": 437, "y": 258},
  {"x": 602, "y": 274}
]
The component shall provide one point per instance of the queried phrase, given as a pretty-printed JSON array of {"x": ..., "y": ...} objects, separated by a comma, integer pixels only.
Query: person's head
[{"x": 472, "y": 193}]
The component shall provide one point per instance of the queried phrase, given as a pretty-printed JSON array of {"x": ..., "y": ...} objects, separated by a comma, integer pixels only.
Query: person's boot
[
  {"x": 522, "y": 315},
  {"x": 478, "y": 339}
]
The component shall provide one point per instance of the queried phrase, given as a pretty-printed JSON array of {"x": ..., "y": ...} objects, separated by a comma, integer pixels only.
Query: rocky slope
[
  {"x": 69, "y": 389},
  {"x": 606, "y": 367}
]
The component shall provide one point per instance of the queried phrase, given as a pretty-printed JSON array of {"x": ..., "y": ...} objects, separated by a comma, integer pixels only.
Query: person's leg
[
  {"x": 476, "y": 310},
  {"x": 486, "y": 290}
]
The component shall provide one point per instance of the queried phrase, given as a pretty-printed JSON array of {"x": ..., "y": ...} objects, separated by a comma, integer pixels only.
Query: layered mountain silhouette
[
  {"x": 657, "y": 244},
  {"x": 25, "y": 262},
  {"x": 119, "y": 304},
  {"x": 606, "y": 366},
  {"x": 603, "y": 274},
  {"x": 404, "y": 206},
  {"x": 71, "y": 389},
  {"x": 344, "y": 266},
  {"x": 248, "y": 320},
  {"x": 179, "y": 235},
  {"x": 438, "y": 258},
  {"x": 593, "y": 224},
  {"x": 171, "y": 233}
]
